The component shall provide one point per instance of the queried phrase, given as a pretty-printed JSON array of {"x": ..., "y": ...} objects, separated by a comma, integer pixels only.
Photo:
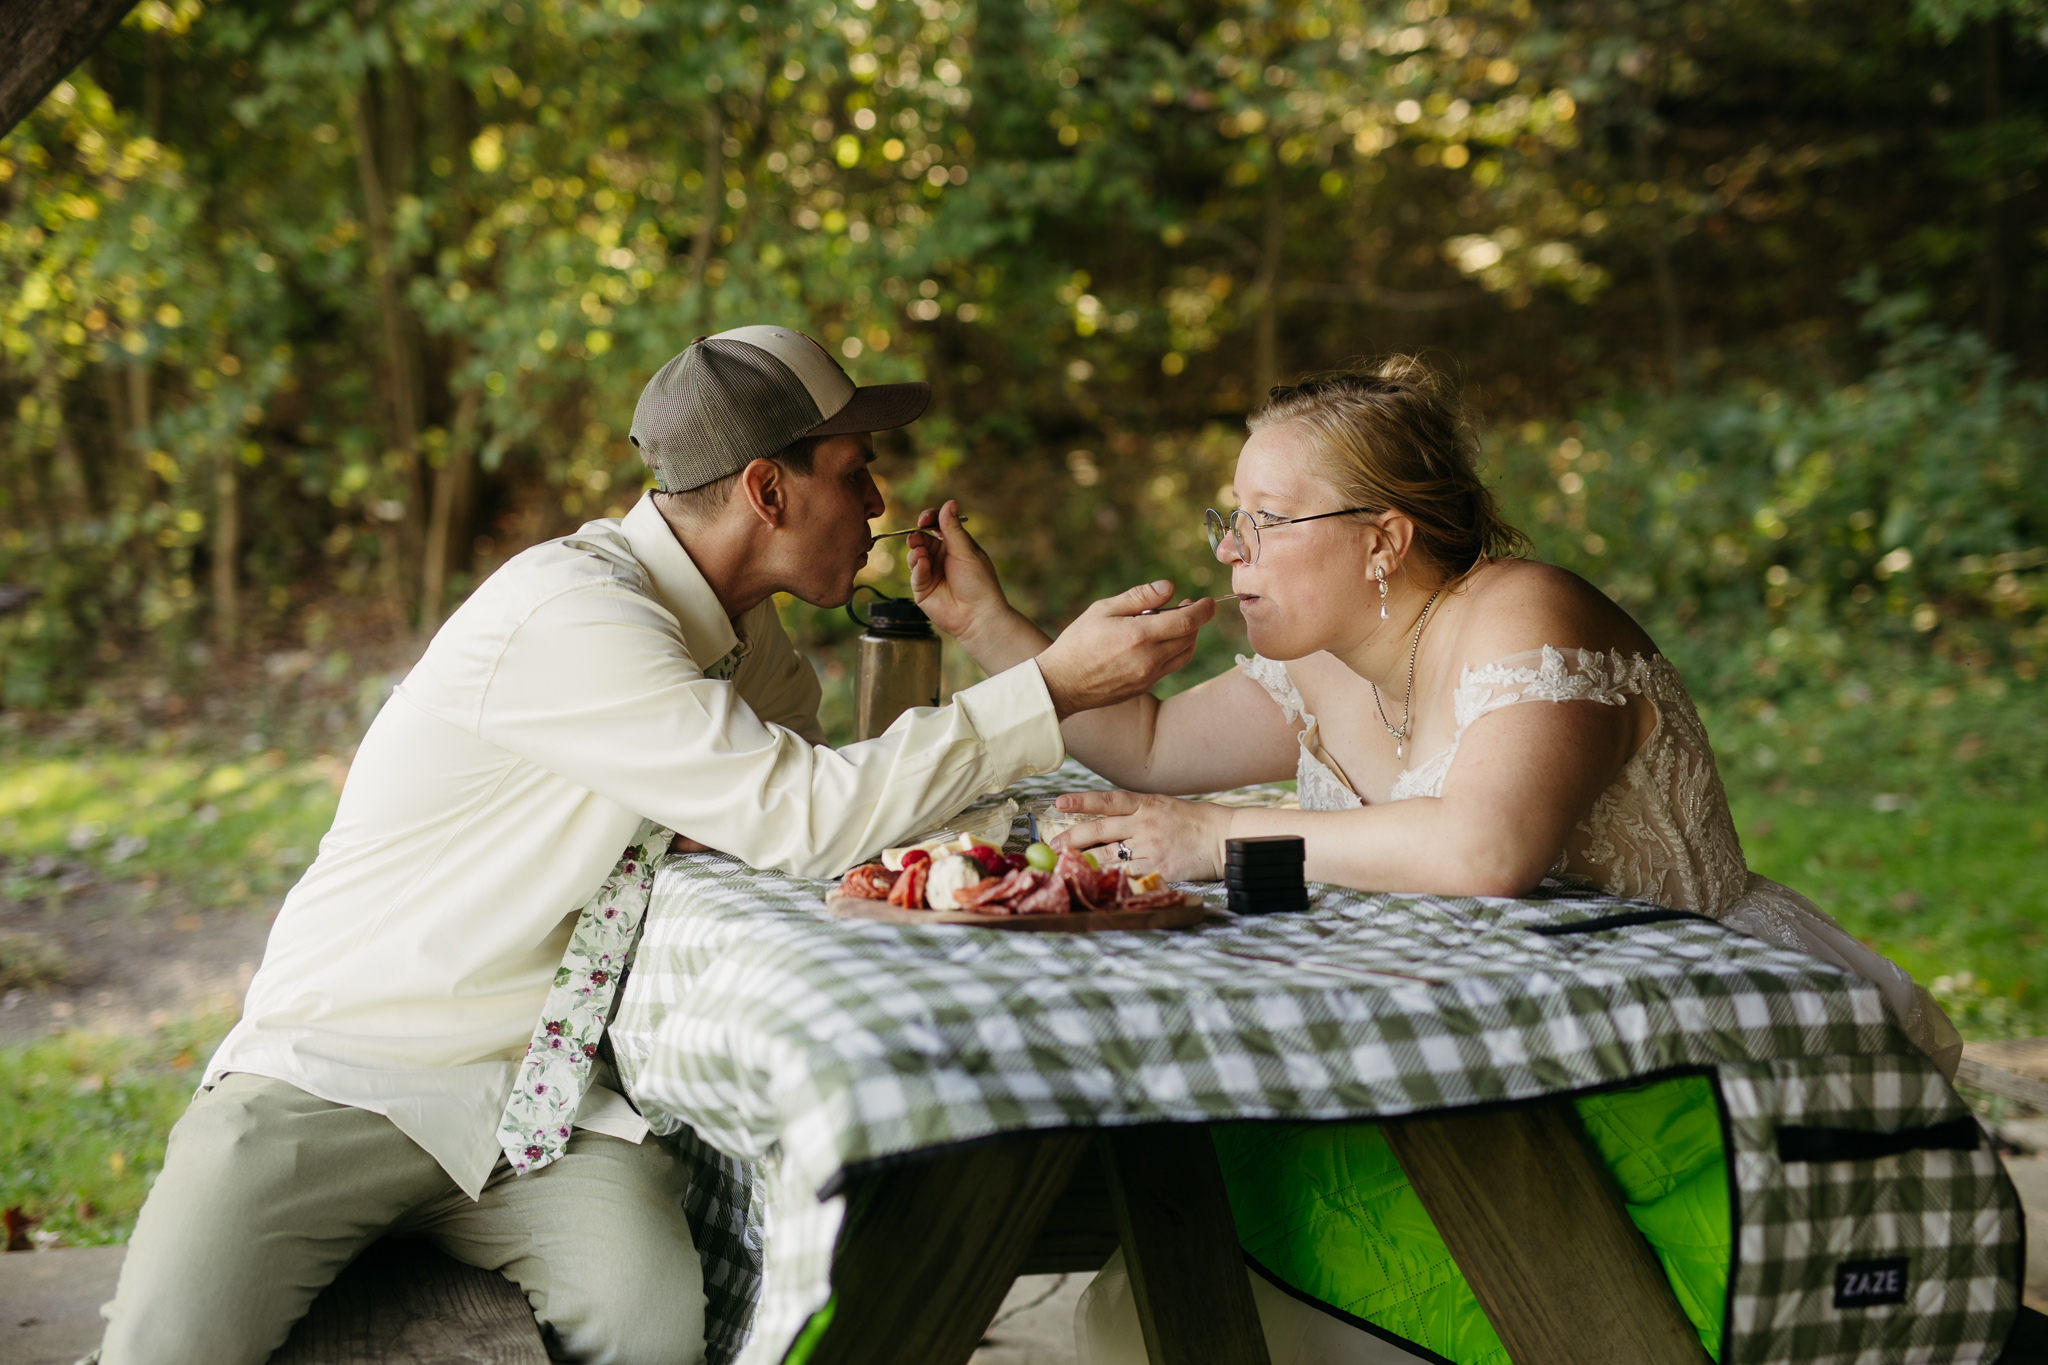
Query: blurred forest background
[{"x": 311, "y": 314}]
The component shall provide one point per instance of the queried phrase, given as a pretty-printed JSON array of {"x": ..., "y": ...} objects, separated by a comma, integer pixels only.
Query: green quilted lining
[{"x": 1326, "y": 1208}]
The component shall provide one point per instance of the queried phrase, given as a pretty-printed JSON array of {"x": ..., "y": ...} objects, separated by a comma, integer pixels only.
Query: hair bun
[{"x": 1393, "y": 432}]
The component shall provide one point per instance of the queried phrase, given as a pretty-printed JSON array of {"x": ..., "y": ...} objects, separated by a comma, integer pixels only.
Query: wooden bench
[
  {"x": 401, "y": 1303},
  {"x": 2016, "y": 1068}
]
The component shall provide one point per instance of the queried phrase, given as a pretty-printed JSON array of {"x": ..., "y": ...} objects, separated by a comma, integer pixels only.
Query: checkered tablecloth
[{"x": 789, "y": 1049}]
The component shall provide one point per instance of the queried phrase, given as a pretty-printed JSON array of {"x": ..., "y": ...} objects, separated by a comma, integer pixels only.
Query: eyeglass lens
[{"x": 1239, "y": 526}]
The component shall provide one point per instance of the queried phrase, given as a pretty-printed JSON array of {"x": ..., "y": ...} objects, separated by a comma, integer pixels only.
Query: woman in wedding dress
[
  {"x": 1458, "y": 721},
  {"x": 1397, "y": 641}
]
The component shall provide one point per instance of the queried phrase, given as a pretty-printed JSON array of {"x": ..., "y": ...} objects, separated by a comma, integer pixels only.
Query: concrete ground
[
  {"x": 1036, "y": 1326},
  {"x": 50, "y": 1304},
  {"x": 2029, "y": 1174}
]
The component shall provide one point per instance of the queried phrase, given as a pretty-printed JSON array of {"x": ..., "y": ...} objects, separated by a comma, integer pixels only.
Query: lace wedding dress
[{"x": 1661, "y": 832}]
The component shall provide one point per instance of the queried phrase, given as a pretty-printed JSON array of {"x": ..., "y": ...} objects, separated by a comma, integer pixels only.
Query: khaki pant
[{"x": 267, "y": 1193}]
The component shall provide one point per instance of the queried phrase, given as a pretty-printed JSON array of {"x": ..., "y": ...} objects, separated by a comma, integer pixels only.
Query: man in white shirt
[{"x": 634, "y": 670}]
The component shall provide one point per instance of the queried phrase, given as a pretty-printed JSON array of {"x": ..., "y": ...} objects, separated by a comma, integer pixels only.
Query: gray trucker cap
[{"x": 736, "y": 397}]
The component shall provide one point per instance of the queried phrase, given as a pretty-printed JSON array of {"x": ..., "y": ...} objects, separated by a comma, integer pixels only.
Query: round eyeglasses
[{"x": 1243, "y": 528}]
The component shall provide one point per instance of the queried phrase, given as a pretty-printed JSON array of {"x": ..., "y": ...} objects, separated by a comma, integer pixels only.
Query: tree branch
[{"x": 48, "y": 38}]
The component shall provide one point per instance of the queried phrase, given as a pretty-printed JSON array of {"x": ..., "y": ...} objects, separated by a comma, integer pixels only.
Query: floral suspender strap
[{"x": 555, "y": 1075}]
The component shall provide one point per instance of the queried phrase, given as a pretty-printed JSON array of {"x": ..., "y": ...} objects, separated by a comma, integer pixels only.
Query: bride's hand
[{"x": 1181, "y": 839}]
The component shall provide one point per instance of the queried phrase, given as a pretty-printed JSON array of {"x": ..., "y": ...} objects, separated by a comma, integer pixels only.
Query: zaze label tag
[{"x": 1866, "y": 1284}]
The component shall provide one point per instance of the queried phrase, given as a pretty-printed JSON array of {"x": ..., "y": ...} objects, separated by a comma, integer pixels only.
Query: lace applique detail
[
  {"x": 1662, "y": 831},
  {"x": 1315, "y": 786},
  {"x": 1272, "y": 675}
]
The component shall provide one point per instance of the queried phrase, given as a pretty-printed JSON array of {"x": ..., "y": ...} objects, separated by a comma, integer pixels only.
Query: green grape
[{"x": 1041, "y": 856}]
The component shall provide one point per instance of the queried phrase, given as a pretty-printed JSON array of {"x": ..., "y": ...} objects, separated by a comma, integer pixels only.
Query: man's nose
[
  {"x": 1226, "y": 549},
  {"x": 872, "y": 500}
]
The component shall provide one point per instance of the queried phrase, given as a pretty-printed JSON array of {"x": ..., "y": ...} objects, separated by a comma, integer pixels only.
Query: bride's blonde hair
[{"x": 1392, "y": 433}]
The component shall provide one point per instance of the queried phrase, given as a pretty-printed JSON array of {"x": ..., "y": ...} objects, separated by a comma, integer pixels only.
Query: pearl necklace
[{"x": 1408, "y": 699}]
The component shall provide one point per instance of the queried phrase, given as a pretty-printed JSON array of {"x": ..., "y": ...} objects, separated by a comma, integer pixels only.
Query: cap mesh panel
[{"x": 714, "y": 409}]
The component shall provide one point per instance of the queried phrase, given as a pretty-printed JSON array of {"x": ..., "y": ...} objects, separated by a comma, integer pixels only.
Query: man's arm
[{"x": 597, "y": 687}]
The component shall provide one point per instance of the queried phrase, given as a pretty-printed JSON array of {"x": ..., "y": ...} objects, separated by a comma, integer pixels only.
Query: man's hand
[
  {"x": 1111, "y": 653},
  {"x": 952, "y": 578}
]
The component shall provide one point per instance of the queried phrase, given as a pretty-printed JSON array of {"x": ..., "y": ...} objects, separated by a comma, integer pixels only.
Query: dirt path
[{"x": 124, "y": 957}]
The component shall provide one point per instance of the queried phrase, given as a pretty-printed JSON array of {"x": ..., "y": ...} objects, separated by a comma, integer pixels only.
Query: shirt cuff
[{"x": 1013, "y": 714}]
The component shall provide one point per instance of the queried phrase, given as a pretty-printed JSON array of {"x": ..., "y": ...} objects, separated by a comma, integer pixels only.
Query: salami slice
[
  {"x": 1092, "y": 889},
  {"x": 868, "y": 882},
  {"x": 1150, "y": 900},
  {"x": 909, "y": 889},
  {"x": 990, "y": 893},
  {"x": 1049, "y": 897}
]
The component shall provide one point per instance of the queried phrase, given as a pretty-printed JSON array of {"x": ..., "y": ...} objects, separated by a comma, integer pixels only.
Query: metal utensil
[
  {"x": 1156, "y": 610},
  {"x": 884, "y": 535}
]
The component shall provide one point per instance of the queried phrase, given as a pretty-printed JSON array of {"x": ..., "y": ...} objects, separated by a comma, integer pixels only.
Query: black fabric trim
[
  {"x": 1728, "y": 1159},
  {"x": 1797, "y": 1143},
  {"x": 1627, "y": 919},
  {"x": 1391, "y": 1338},
  {"x": 2019, "y": 1318}
]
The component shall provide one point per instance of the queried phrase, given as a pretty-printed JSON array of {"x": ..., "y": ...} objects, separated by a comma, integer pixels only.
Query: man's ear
[{"x": 764, "y": 485}]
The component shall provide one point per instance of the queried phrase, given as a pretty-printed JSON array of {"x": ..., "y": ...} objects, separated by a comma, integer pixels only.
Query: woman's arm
[
  {"x": 1223, "y": 733},
  {"x": 1523, "y": 777}
]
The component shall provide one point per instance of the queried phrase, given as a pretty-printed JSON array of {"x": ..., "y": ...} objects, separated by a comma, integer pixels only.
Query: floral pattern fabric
[{"x": 555, "y": 1074}]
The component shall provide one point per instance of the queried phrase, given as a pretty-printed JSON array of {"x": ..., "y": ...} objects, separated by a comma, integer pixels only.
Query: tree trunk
[
  {"x": 43, "y": 42},
  {"x": 1266, "y": 348},
  {"x": 401, "y": 360},
  {"x": 153, "y": 85},
  {"x": 454, "y": 478},
  {"x": 1994, "y": 200},
  {"x": 451, "y": 492},
  {"x": 714, "y": 209},
  {"x": 1664, "y": 280},
  {"x": 227, "y": 545},
  {"x": 137, "y": 375}
]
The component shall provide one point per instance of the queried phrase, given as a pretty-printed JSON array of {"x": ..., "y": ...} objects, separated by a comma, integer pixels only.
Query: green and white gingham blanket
[{"x": 785, "y": 1049}]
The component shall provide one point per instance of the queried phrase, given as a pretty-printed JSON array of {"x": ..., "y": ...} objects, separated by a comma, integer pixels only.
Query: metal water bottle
[{"x": 899, "y": 663}]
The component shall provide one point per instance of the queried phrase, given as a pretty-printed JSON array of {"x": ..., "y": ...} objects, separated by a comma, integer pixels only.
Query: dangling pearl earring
[{"x": 1381, "y": 575}]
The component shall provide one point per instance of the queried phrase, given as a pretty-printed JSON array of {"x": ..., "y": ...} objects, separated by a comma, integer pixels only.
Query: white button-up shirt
[{"x": 564, "y": 702}]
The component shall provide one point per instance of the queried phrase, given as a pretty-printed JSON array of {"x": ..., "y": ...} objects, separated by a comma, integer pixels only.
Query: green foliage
[
  {"x": 358, "y": 298},
  {"x": 1775, "y": 539},
  {"x": 88, "y": 1119},
  {"x": 1950, "y": 889},
  {"x": 227, "y": 831}
]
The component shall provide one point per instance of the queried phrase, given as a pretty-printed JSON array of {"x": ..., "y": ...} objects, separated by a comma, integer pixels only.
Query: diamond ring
[{"x": 1123, "y": 851}]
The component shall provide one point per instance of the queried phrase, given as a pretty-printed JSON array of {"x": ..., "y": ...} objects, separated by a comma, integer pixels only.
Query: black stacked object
[{"x": 1263, "y": 874}]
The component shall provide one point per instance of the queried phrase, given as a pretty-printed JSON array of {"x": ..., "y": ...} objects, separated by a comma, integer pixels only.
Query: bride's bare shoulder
[{"x": 1512, "y": 605}]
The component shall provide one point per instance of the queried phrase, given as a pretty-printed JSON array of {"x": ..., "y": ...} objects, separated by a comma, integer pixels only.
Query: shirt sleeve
[
  {"x": 777, "y": 680},
  {"x": 596, "y": 686}
]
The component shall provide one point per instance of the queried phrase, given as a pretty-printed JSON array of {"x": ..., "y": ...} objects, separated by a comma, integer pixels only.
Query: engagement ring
[{"x": 1123, "y": 851}]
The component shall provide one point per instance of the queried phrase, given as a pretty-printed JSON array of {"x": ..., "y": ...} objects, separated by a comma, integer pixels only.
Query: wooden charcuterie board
[{"x": 1189, "y": 911}]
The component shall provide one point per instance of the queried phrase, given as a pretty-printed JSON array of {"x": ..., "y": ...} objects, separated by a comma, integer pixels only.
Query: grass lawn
[
  {"x": 1955, "y": 890},
  {"x": 224, "y": 830},
  {"x": 88, "y": 1116}
]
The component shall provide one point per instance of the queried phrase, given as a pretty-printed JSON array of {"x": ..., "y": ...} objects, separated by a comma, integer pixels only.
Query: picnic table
[{"x": 890, "y": 1123}]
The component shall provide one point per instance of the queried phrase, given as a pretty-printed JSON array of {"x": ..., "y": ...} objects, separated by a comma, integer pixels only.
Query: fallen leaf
[{"x": 17, "y": 1225}]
